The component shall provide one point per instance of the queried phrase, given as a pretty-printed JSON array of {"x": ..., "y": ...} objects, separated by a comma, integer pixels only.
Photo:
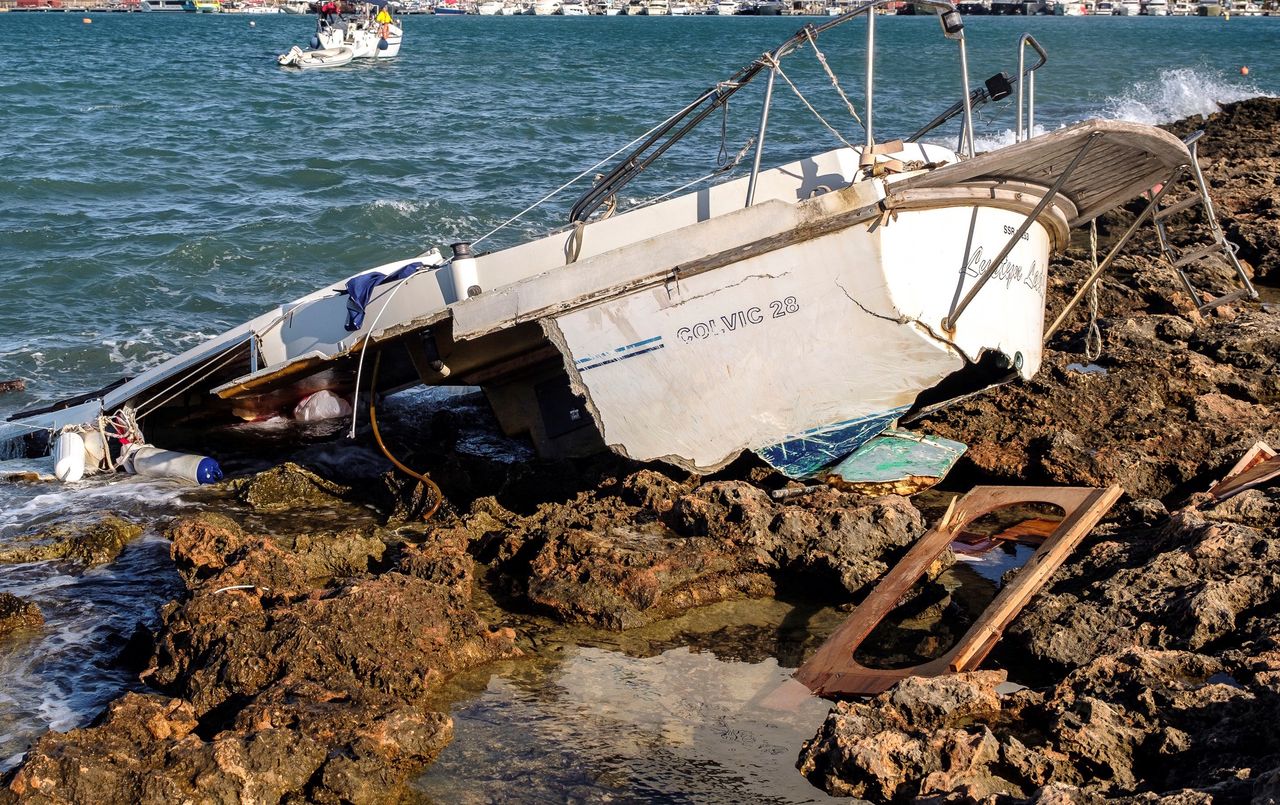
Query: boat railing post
[
  {"x": 764, "y": 122},
  {"x": 953, "y": 28},
  {"x": 871, "y": 75},
  {"x": 1030, "y": 76}
]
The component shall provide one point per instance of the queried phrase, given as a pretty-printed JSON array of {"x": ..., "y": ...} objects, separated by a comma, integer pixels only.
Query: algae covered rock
[
  {"x": 92, "y": 543},
  {"x": 288, "y": 486},
  {"x": 18, "y": 615}
]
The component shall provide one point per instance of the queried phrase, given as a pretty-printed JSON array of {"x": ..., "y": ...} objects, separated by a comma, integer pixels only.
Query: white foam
[
  {"x": 1176, "y": 94},
  {"x": 95, "y": 495}
]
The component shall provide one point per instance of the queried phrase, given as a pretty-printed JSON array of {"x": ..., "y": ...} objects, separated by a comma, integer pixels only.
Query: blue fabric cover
[{"x": 360, "y": 289}]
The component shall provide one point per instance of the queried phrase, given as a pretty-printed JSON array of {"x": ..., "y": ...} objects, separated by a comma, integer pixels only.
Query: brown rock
[
  {"x": 17, "y": 615},
  {"x": 93, "y": 543}
]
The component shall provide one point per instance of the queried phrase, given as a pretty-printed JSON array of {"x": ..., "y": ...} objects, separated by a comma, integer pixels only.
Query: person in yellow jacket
[{"x": 384, "y": 20}]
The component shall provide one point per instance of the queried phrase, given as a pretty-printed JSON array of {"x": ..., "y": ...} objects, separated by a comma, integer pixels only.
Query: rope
[
  {"x": 777, "y": 67},
  {"x": 822, "y": 59},
  {"x": 563, "y": 187},
  {"x": 1093, "y": 335},
  {"x": 377, "y": 437}
]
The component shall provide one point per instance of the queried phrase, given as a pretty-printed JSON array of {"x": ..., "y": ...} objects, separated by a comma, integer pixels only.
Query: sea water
[{"x": 162, "y": 179}]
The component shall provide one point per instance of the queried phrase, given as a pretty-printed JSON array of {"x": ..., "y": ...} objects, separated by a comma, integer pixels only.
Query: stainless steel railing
[{"x": 1028, "y": 76}]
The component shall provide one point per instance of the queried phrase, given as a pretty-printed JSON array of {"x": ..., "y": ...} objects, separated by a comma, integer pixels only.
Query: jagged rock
[
  {"x": 648, "y": 547},
  {"x": 210, "y": 546},
  {"x": 1189, "y": 583},
  {"x": 94, "y": 543},
  {"x": 286, "y": 487},
  {"x": 1135, "y": 724},
  {"x": 17, "y": 615},
  {"x": 145, "y": 749}
]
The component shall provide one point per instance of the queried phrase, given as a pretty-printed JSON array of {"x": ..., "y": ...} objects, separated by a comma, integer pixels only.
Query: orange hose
[{"x": 377, "y": 437}]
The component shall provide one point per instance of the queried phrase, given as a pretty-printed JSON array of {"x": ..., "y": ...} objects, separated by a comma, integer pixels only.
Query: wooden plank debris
[
  {"x": 1259, "y": 465},
  {"x": 832, "y": 670}
]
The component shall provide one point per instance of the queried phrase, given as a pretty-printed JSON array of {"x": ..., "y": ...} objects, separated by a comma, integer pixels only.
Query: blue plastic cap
[{"x": 208, "y": 472}]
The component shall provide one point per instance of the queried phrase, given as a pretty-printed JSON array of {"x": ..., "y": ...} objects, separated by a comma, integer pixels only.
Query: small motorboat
[{"x": 311, "y": 59}]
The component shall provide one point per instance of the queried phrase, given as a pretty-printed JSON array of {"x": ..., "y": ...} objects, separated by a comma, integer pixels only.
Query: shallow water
[
  {"x": 150, "y": 198},
  {"x": 697, "y": 709}
]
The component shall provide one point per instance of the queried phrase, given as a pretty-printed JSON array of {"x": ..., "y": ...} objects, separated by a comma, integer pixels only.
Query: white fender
[
  {"x": 68, "y": 457},
  {"x": 153, "y": 462}
]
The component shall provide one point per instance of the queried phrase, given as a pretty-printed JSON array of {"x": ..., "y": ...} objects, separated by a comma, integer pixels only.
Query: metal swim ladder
[{"x": 1220, "y": 244}]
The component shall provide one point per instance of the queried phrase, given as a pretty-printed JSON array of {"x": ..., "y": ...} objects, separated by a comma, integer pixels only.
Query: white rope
[
  {"x": 778, "y": 69},
  {"x": 822, "y": 59},
  {"x": 1093, "y": 335},
  {"x": 564, "y": 186},
  {"x": 364, "y": 349}
]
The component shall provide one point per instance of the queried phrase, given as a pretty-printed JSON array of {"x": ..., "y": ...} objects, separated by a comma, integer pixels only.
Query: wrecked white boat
[{"x": 795, "y": 312}]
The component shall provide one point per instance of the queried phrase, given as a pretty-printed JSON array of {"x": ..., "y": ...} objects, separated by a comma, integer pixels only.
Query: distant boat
[
  {"x": 490, "y": 8},
  {"x": 161, "y": 5},
  {"x": 575, "y": 9},
  {"x": 448, "y": 8},
  {"x": 1126, "y": 8},
  {"x": 546, "y": 8},
  {"x": 201, "y": 6},
  {"x": 1156, "y": 8}
]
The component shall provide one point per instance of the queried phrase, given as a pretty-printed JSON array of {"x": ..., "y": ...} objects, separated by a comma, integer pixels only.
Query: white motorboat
[
  {"x": 162, "y": 5},
  {"x": 1126, "y": 8},
  {"x": 312, "y": 59},
  {"x": 1156, "y": 8},
  {"x": 296, "y": 6},
  {"x": 680, "y": 8},
  {"x": 491, "y": 8},
  {"x": 792, "y": 312},
  {"x": 575, "y": 9},
  {"x": 727, "y": 8},
  {"x": 546, "y": 8},
  {"x": 657, "y": 8},
  {"x": 252, "y": 9},
  {"x": 364, "y": 36}
]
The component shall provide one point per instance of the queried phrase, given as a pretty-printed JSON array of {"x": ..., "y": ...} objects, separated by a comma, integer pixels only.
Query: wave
[{"x": 1176, "y": 94}]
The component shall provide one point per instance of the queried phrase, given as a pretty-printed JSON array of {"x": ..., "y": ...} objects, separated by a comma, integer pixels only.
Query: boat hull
[{"x": 839, "y": 333}]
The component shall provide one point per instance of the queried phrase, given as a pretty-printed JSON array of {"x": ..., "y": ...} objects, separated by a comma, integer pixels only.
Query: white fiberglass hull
[
  {"x": 697, "y": 328},
  {"x": 756, "y": 354},
  {"x": 364, "y": 41}
]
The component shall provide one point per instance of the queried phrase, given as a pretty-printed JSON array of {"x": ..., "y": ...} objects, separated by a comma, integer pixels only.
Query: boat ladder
[{"x": 1219, "y": 245}]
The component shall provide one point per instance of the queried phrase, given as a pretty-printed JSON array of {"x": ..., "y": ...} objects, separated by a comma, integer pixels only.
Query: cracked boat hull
[{"x": 804, "y": 353}]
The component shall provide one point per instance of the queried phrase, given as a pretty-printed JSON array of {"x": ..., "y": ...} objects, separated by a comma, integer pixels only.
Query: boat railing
[
  {"x": 669, "y": 132},
  {"x": 1028, "y": 76}
]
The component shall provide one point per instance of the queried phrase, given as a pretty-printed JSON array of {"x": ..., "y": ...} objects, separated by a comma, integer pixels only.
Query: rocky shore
[{"x": 304, "y": 660}]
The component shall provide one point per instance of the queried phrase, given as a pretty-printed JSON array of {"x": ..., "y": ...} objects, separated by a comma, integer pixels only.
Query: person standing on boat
[{"x": 384, "y": 22}]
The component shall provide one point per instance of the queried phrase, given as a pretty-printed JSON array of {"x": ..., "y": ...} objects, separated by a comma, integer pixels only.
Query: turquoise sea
[{"x": 162, "y": 179}]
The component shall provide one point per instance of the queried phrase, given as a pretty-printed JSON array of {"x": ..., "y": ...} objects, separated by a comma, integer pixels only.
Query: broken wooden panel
[
  {"x": 833, "y": 670},
  {"x": 1258, "y": 466}
]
